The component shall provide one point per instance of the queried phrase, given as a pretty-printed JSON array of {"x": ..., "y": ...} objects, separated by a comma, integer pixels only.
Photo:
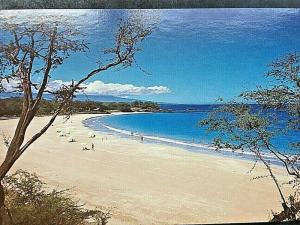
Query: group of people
[
  {"x": 141, "y": 136},
  {"x": 85, "y": 148}
]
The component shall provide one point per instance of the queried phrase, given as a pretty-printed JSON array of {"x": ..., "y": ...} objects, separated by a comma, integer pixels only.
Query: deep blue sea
[{"x": 178, "y": 127}]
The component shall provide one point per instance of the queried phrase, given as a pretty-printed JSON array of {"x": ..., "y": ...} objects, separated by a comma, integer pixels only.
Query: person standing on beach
[
  {"x": 142, "y": 138},
  {"x": 93, "y": 146}
]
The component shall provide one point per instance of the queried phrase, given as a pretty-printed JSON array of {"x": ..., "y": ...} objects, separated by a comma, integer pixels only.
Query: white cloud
[
  {"x": 56, "y": 84},
  {"x": 98, "y": 87},
  {"x": 11, "y": 85}
]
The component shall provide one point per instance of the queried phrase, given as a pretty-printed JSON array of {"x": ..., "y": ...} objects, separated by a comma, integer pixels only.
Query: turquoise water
[{"x": 176, "y": 127}]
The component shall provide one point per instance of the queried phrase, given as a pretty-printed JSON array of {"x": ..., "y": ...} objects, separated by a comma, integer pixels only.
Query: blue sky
[{"x": 194, "y": 55}]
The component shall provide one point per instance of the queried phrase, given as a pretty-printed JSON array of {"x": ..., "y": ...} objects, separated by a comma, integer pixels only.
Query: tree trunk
[
  {"x": 2, "y": 209},
  {"x": 4, "y": 168}
]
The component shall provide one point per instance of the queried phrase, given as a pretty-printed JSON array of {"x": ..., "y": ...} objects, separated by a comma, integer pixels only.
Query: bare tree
[
  {"x": 39, "y": 49},
  {"x": 253, "y": 127}
]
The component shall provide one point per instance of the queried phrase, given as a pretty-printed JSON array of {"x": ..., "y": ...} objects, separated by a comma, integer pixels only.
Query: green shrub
[
  {"x": 28, "y": 202},
  {"x": 13, "y": 106}
]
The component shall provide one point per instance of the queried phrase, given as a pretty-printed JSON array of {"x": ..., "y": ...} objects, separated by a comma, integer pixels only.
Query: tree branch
[{"x": 46, "y": 73}]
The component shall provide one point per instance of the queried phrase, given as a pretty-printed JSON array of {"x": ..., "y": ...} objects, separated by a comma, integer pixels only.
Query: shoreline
[
  {"x": 147, "y": 183},
  {"x": 193, "y": 147}
]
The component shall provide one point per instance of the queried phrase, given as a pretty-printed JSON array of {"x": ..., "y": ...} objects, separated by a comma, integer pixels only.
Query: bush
[
  {"x": 10, "y": 107},
  {"x": 13, "y": 106},
  {"x": 28, "y": 202}
]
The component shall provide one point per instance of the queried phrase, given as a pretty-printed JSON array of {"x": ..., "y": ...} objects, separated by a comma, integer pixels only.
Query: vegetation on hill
[
  {"x": 13, "y": 107},
  {"x": 28, "y": 201}
]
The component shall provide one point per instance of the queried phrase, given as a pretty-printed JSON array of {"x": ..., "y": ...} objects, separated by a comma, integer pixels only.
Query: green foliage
[
  {"x": 145, "y": 105},
  {"x": 244, "y": 127},
  {"x": 13, "y": 106},
  {"x": 85, "y": 106},
  {"x": 10, "y": 107},
  {"x": 239, "y": 127},
  {"x": 134, "y": 106},
  {"x": 285, "y": 95},
  {"x": 28, "y": 202},
  {"x": 124, "y": 107}
]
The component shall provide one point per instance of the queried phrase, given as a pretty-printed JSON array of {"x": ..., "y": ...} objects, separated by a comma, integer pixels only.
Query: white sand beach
[{"x": 147, "y": 183}]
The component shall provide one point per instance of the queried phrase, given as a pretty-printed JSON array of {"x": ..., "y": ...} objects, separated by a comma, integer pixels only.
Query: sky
[{"x": 194, "y": 56}]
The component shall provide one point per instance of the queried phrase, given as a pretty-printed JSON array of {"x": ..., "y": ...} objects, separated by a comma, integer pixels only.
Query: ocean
[{"x": 180, "y": 127}]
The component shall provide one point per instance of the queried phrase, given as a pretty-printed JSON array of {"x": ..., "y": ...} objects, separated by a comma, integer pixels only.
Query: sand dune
[{"x": 147, "y": 183}]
